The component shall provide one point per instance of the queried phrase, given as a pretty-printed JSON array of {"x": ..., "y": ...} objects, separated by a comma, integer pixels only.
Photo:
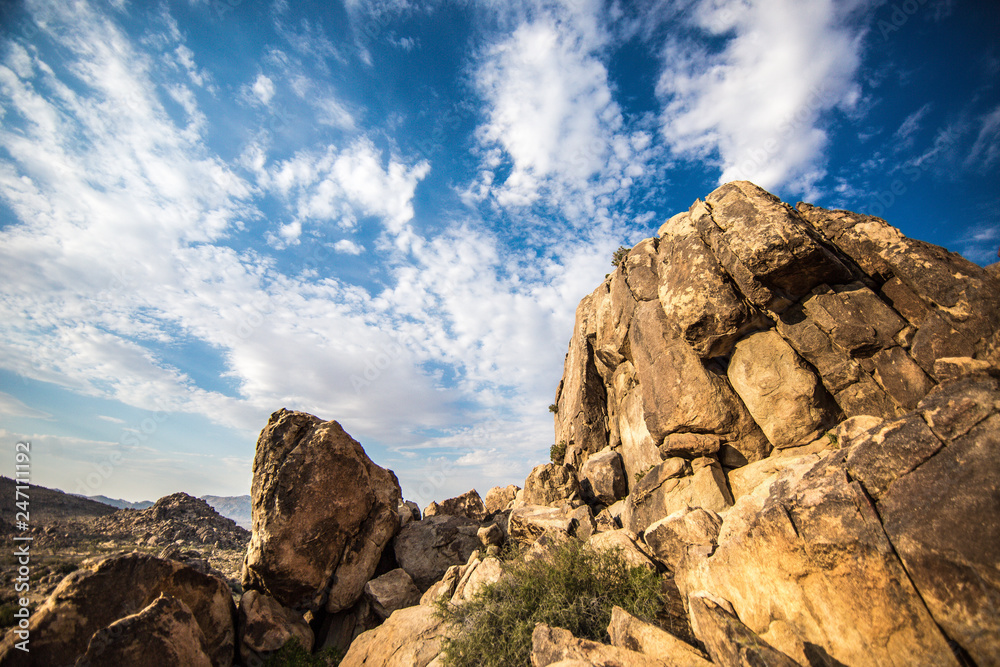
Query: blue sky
[{"x": 385, "y": 212}]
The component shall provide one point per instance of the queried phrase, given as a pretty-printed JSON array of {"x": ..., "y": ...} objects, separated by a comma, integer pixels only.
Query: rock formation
[
  {"x": 172, "y": 518},
  {"x": 791, "y": 416},
  {"x": 322, "y": 514}
]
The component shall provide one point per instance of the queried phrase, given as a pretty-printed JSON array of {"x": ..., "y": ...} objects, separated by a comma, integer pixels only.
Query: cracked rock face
[
  {"x": 806, "y": 404},
  {"x": 748, "y": 325},
  {"x": 322, "y": 514}
]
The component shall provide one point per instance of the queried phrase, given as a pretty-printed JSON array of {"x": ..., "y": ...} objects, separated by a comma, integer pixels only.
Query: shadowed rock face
[{"x": 322, "y": 514}]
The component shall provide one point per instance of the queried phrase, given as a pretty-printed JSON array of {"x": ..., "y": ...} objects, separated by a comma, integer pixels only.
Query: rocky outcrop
[
  {"x": 747, "y": 324},
  {"x": 178, "y": 517},
  {"x": 313, "y": 548},
  {"x": 111, "y": 589}
]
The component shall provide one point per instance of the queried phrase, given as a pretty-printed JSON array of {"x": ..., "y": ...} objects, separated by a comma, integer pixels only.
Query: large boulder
[
  {"x": 265, "y": 626},
  {"x": 729, "y": 641},
  {"x": 603, "y": 478},
  {"x": 673, "y": 485},
  {"x": 322, "y": 514},
  {"x": 527, "y": 524},
  {"x": 426, "y": 549},
  {"x": 107, "y": 590},
  {"x": 164, "y": 634},
  {"x": 500, "y": 498}
]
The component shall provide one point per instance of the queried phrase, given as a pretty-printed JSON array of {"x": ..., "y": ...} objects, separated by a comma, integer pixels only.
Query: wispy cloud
[{"x": 756, "y": 105}]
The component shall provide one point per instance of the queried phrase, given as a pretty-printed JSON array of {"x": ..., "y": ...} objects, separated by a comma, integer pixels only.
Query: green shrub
[
  {"x": 293, "y": 654},
  {"x": 554, "y": 409},
  {"x": 557, "y": 452},
  {"x": 619, "y": 256},
  {"x": 575, "y": 590}
]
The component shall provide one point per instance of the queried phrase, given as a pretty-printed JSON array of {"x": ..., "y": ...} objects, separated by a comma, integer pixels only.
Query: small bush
[
  {"x": 557, "y": 452},
  {"x": 554, "y": 409},
  {"x": 293, "y": 654},
  {"x": 575, "y": 590},
  {"x": 619, "y": 256}
]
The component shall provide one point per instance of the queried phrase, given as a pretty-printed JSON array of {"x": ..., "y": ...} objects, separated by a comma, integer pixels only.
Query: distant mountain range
[{"x": 236, "y": 508}]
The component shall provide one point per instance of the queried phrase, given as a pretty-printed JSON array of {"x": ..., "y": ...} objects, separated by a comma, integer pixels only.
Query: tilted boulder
[
  {"x": 107, "y": 590},
  {"x": 164, "y": 634},
  {"x": 265, "y": 626},
  {"x": 322, "y": 514},
  {"x": 729, "y": 641},
  {"x": 426, "y": 549}
]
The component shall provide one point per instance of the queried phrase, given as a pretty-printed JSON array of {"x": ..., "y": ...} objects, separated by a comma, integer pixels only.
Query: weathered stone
[
  {"x": 880, "y": 458},
  {"x": 640, "y": 270},
  {"x": 264, "y": 626},
  {"x": 444, "y": 589},
  {"x": 685, "y": 533},
  {"x": 637, "y": 448},
  {"x": 425, "y": 549},
  {"x": 585, "y": 523},
  {"x": 901, "y": 377},
  {"x": 943, "y": 518},
  {"x": 469, "y": 505},
  {"x": 491, "y": 535},
  {"x": 338, "y": 630},
  {"x": 783, "y": 395},
  {"x": 550, "y": 484},
  {"x": 408, "y": 511},
  {"x": 527, "y": 524},
  {"x": 164, "y": 634},
  {"x": 633, "y": 634},
  {"x": 853, "y": 428},
  {"x": 626, "y": 543},
  {"x": 499, "y": 498},
  {"x": 109, "y": 589},
  {"x": 698, "y": 297},
  {"x": 805, "y": 549},
  {"x": 771, "y": 241},
  {"x": 602, "y": 478},
  {"x": 904, "y": 301},
  {"x": 675, "y": 485},
  {"x": 311, "y": 548},
  {"x": 689, "y": 444},
  {"x": 745, "y": 480},
  {"x": 953, "y": 408},
  {"x": 729, "y": 641},
  {"x": 856, "y": 320},
  {"x": 553, "y": 646},
  {"x": 391, "y": 591},
  {"x": 479, "y": 573},
  {"x": 411, "y": 637},
  {"x": 952, "y": 368}
]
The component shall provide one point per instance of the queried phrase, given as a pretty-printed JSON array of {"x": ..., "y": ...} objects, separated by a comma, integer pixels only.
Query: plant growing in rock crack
[
  {"x": 554, "y": 409},
  {"x": 619, "y": 256},
  {"x": 293, "y": 654},
  {"x": 557, "y": 452},
  {"x": 574, "y": 589}
]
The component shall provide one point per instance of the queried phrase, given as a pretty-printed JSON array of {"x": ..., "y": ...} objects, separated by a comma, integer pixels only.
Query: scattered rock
[
  {"x": 178, "y": 517},
  {"x": 313, "y": 548},
  {"x": 107, "y": 590}
]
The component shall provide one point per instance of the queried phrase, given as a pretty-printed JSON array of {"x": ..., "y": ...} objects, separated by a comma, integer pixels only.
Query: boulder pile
[{"x": 789, "y": 414}]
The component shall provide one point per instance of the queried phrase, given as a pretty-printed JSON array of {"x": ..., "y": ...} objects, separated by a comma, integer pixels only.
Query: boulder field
[{"x": 791, "y": 414}]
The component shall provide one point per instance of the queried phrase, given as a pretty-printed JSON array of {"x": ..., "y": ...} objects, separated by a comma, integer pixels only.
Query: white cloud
[
  {"x": 552, "y": 117},
  {"x": 912, "y": 123},
  {"x": 9, "y": 405},
  {"x": 755, "y": 107},
  {"x": 980, "y": 243},
  {"x": 348, "y": 247},
  {"x": 263, "y": 89},
  {"x": 986, "y": 149}
]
